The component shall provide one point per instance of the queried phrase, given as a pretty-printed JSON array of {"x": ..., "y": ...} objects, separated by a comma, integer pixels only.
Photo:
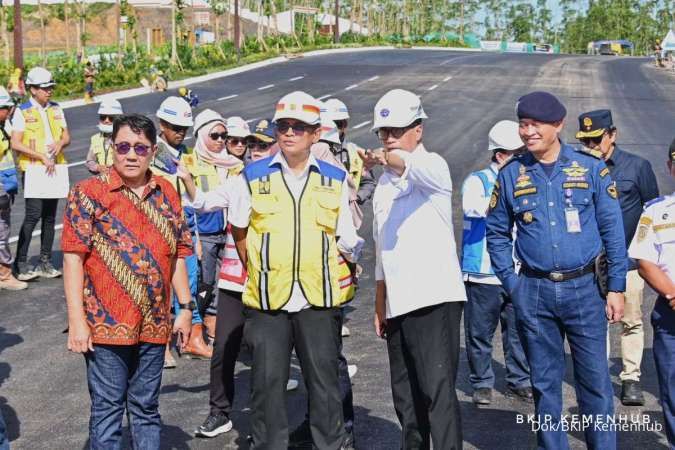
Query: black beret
[{"x": 540, "y": 106}]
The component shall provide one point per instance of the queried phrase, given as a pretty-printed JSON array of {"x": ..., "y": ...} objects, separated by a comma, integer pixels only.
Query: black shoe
[
  {"x": 214, "y": 425},
  {"x": 301, "y": 436},
  {"x": 482, "y": 396},
  {"x": 348, "y": 442},
  {"x": 631, "y": 394},
  {"x": 523, "y": 393}
]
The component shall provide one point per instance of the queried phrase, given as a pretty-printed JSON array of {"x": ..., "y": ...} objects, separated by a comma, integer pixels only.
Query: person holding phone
[
  {"x": 418, "y": 307},
  {"x": 124, "y": 247}
]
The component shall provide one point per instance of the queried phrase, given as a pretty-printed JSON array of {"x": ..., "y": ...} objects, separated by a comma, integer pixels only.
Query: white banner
[{"x": 39, "y": 184}]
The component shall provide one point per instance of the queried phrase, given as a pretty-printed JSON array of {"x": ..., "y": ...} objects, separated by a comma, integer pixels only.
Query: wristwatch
[{"x": 189, "y": 306}]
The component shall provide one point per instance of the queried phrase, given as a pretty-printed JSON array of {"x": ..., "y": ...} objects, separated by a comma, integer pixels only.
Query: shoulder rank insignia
[
  {"x": 591, "y": 152},
  {"x": 575, "y": 170},
  {"x": 604, "y": 172}
]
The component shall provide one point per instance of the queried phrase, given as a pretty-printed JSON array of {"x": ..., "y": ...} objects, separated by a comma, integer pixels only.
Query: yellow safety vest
[
  {"x": 291, "y": 240},
  {"x": 6, "y": 157},
  {"x": 173, "y": 179},
  {"x": 355, "y": 164},
  {"x": 34, "y": 133},
  {"x": 206, "y": 175},
  {"x": 102, "y": 152}
]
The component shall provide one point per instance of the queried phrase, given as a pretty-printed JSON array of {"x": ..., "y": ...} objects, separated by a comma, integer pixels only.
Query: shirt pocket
[
  {"x": 526, "y": 209},
  {"x": 624, "y": 187},
  {"x": 327, "y": 208},
  {"x": 265, "y": 214}
]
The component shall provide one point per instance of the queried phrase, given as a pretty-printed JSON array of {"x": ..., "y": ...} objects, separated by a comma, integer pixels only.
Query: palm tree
[{"x": 43, "y": 34}]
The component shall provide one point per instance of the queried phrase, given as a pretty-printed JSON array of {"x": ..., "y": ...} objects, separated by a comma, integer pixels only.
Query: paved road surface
[{"x": 43, "y": 393}]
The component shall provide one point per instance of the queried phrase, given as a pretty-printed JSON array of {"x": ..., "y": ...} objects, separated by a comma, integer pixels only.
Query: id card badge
[{"x": 572, "y": 219}]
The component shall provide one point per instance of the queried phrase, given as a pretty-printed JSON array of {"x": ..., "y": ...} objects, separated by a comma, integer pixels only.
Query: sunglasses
[
  {"x": 258, "y": 144},
  {"x": 592, "y": 140},
  {"x": 176, "y": 128},
  {"x": 384, "y": 132},
  {"x": 298, "y": 128},
  {"x": 105, "y": 118},
  {"x": 236, "y": 141},
  {"x": 140, "y": 149},
  {"x": 216, "y": 136},
  {"x": 341, "y": 123}
]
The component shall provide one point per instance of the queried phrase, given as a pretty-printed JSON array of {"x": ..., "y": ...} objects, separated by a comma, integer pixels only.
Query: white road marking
[
  {"x": 14, "y": 239},
  {"x": 78, "y": 163},
  {"x": 253, "y": 120},
  {"x": 431, "y": 88},
  {"x": 373, "y": 78},
  {"x": 227, "y": 97},
  {"x": 350, "y": 87},
  {"x": 324, "y": 96},
  {"x": 362, "y": 124},
  {"x": 296, "y": 78},
  {"x": 447, "y": 78},
  {"x": 262, "y": 88}
]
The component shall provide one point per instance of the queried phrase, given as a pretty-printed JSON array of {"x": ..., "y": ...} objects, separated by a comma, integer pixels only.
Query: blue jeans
[
  {"x": 487, "y": 306},
  {"x": 546, "y": 313},
  {"x": 192, "y": 264},
  {"x": 663, "y": 322},
  {"x": 119, "y": 377}
]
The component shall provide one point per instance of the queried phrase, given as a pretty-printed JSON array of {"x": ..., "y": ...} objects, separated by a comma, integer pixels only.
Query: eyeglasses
[
  {"x": 592, "y": 140},
  {"x": 140, "y": 149},
  {"x": 105, "y": 118},
  {"x": 236, "y": 141},
  {"x": 216, "y": 136},
  {"x": 298, "y": 128},
  {"x": 341, "y": 123},
  {"x": 384, "y": 132},
  {"x": 176, "y": 128},
  {"x": 258, "y": 144}
]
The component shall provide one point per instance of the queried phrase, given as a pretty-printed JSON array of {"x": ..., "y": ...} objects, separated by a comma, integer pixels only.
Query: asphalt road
[{"x": 43, "y": 393}]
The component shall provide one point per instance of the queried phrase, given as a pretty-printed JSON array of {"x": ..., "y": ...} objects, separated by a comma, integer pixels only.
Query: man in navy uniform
[
  {"x": 566, "y": 210},
  {"x": 636, "y": 185}
]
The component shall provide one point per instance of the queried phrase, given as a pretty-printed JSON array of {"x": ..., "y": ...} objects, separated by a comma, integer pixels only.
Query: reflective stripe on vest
[
  {"x": 293, "y": 240},
  {"x": 102, "y": 152},
  {"x": 232, "y": 276},
  {"x": 34, "y": 133},
  {"x": 475, "y": 258}
]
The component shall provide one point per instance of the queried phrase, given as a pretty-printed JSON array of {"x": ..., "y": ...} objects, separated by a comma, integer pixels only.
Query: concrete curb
[{"x": 127, "y": 93}]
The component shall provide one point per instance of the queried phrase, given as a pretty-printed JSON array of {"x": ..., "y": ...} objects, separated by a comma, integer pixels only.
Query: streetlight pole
[
  {"x": 237, "y": 31},
  {"x": 336, "y": 29},
  {"x": 18, "y": 36}
]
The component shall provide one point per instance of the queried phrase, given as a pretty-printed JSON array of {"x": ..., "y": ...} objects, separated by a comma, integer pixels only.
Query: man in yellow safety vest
[{"x": 100, "y": 155}]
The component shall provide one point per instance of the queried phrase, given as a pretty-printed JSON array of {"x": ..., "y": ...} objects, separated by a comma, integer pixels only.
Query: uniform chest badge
[
  {"x": 611, "y": 190},
  {"x": 523, "y": 179},
  {"x": 264, "y": 187},
  {"x": 527, "y": 217},
  {"x": 575, "y": 170}
]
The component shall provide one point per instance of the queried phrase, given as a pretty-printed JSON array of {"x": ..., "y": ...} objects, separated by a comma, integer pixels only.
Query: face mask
[{"x": 104, "y": 128}]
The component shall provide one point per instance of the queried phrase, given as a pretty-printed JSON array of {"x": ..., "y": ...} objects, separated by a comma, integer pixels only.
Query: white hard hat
[
  {"x": 110, "y": 107},
  {"x": 208, "y": 116},
  {"x": 504, "y": 136},
  {"x": 237, "y": 127},
  {"x": 5, "y": 98},
  {"x": 176, "y": 111},
  {"x": 336, "y": 110},
  {"x": 300, "y": 106},
  {"x": 397, "y": 109},
  {"x": 329, "y": 131},
  {"x": 39, "y": 76}
]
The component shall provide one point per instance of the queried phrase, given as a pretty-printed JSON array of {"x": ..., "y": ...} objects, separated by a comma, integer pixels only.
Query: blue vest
[{"x": 475, "y": 258}]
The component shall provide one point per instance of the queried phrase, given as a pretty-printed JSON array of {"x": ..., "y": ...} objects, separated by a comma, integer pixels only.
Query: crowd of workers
[{"x": 251, "y": 238}]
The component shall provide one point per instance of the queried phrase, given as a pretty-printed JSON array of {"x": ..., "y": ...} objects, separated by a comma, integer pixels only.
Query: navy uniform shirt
[
  {"x": 636, "y": 185},
  {"x": 524, "y": 195}
]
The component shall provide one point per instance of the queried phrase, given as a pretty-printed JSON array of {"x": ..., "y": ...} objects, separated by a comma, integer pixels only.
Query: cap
[
  {"x": 336, "y": 110},
  {"x": 398, "y": 109},
  {"x": 5, "y": 98},
  {"x": 110, "y": 107},
  {"x": 300, "y": 106},
  {"x": 176, "y": 111},
  {"x": 208, "y": 116},
  {"x": 265, "y": 131},
  {"x": 329, "y": 131},
  {"x": 237, "y": 127},
  {"x": 504, "y": 136},
  {"x": 594, "y": 123},
  {"x": 540, "y": 106},
  {"x": 39, "y": 76}
]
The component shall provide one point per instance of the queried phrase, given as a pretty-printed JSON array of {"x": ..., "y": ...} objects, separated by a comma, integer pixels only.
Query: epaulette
[
  {"x": 514, "y": 158},
  {"x": 590, "y": 152},
  {"x": 654, "y": 201}
]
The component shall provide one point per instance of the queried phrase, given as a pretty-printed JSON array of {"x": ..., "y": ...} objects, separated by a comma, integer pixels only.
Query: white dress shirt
[
  {"x": 19, "y": 123},
  {"x": 415, "y": 247},
  {"x": 235, "y": 195}
]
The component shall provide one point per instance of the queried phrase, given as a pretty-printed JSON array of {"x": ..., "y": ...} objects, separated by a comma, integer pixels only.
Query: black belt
[{"x": 559, "y": 276}]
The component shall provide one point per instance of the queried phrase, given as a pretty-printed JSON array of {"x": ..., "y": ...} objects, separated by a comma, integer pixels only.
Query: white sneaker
[
  {"x": 292, "y": 384},
  {"x": 352, "y": 369},
  {"x": 345, "y": 331}
]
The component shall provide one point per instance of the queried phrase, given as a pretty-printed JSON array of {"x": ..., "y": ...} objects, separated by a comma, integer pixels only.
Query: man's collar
[
  {"x": 115, "y": 181},
  {"x": 38, "y": 105},
  {"x": 280, "y": 159},
  {"x": 616, "y": 155}
]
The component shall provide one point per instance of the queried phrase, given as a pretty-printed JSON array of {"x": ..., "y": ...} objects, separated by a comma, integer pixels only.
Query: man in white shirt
[
  {"x": 488, "y": 303},
  {"x": 420, "y": 293},
  {"x": 290, "y": 216}
]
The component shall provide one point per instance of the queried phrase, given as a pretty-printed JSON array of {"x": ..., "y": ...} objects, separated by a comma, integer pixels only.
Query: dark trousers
[
  {"x": 125, "y": 377},
  {"x": 663, "y": 322},
  {"x": 229, "y": 331},
  {"x": 423, "y": 356},
  {"x": 271, "y": 336},
  {"x": 345, "y": 382},
  {"x": 213, "y": 247},
  {"x": 546, "y": 313},
  {"x": 487, "y": 306},
  {"x": 37, "y": 209}
]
